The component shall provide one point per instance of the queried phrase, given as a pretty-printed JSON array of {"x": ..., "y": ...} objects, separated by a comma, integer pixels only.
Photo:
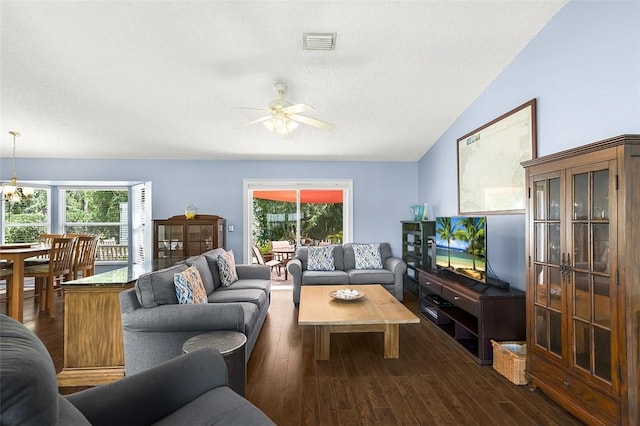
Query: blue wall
[
  {"x": 584, "y": 70},
  {"x": 383, "y": 191}
]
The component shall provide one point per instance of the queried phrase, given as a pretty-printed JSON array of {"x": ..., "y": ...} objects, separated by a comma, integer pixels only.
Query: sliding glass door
[{"x": 296, "y": 213}]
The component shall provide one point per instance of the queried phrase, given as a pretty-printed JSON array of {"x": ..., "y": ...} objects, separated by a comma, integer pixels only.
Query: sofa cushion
[
  {"x": 28, "y": 384},
  {"x": 367, "y": 256},
  {"x": 302, "y": 253},
  {"x": 157, "y": 288},
  {"x": 371, "y": 276},
  {"x": 230, "y": 294},
  {"x": 212, "y": 260},
  {"x": 350, "y": 257},
  {"x": 227, "y": 268},
  {"x": 189, "y": 286},
  {"x": 264, "y": 285},
  {"x": 325, "y": 277},
  {"x": 320, "y": 259},
  {"x": 204, "y": 269}
]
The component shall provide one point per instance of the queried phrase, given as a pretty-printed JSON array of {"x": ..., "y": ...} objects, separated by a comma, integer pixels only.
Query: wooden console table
[
  {"x": 93, "y": 348},
  {"x": 472, "y": 314}
]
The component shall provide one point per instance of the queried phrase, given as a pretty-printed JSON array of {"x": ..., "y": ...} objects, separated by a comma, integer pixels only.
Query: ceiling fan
[{"x": 283, "y": 117}]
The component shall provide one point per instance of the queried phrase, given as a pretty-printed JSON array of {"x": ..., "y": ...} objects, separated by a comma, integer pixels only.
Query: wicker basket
[{"x": 509, "y": 359}]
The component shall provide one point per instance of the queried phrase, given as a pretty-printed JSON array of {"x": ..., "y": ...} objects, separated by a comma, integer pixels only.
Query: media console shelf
[{"x": 472, "y": 313}]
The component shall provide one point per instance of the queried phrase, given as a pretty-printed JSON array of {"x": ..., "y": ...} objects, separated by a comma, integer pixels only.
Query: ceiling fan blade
[
  {"x": 255, "y": 109},
  {"x": 294, "y": 109},
  {"x": 312, "y": 121},
  {"x": 258, "y": 120}
]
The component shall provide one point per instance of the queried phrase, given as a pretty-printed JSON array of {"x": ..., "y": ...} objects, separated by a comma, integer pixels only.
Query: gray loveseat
[
  {"x": 390, "y": 276},
  {"x": 155, "y": 326},
  {"x": 188, "y": 390}
]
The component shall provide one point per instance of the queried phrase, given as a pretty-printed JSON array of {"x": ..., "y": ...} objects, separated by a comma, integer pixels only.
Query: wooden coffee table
[{"x": 378, "y": 311}]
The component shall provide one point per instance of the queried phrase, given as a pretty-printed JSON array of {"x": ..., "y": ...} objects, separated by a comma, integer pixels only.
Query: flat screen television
[{"x": 461, "y": 246}]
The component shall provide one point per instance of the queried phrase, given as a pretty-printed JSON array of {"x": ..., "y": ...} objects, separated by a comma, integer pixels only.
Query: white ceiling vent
[{"x": 319, "y": 41}]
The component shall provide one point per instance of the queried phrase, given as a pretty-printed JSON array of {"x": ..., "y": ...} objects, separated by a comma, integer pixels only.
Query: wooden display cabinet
[
  {"x": 582, "y": 273},
  {"x": 177, "y": 238}
]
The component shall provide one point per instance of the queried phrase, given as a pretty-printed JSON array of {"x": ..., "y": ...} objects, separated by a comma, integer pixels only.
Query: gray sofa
[
  {"x": 155, "y": 326},
  {"x": 188, "y": 390},
  {"x": 390, "y": 276}
]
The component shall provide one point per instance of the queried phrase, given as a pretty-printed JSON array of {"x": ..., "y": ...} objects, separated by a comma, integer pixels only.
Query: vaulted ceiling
[{"x": 165, "y": 79}]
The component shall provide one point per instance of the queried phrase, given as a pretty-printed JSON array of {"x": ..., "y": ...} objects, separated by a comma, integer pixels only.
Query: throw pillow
[
  {"x": 367, "y": 256},
  {"x": 227, "y": 268},
  {"x": 320, "y": 259},
  {"x": 189, "y": 286}
]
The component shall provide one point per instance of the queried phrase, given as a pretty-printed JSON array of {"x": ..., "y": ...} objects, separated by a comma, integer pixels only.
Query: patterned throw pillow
[
  {"x": 320, "y": 259},
  {"x": 189, "y": 286},
  {"x": 227, "y": 268},
  {"x": 367, "y": 256}
]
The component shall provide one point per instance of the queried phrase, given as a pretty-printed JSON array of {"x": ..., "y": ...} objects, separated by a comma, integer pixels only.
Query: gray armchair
[{"x": 188, "y": 390}]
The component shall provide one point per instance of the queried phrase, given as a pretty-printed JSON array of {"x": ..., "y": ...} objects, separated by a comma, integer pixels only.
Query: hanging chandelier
[{"x": 12, "y": 192}]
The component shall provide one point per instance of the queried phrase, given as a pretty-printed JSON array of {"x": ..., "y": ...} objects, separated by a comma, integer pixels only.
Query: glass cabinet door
[
  {"x": 547, "y": 262},
  {"x": 589, "y": 273},
  {"x": 200, "y": 237},
  {"x": 170, "y": 240}
]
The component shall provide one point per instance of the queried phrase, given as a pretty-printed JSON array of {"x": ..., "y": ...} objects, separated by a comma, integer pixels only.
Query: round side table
[{"x": 232, "y": 346}]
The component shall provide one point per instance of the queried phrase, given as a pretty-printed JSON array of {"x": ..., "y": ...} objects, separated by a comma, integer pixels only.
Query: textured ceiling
[{"x": 164, "y": 79}]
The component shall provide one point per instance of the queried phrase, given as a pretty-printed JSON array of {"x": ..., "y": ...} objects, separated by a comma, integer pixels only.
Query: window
[
  {"x": 103, "y": 212},
  {"x": 22, "y": 222}
]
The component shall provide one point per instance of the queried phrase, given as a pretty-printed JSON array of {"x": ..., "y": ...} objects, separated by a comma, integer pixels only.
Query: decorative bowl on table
[{"x": 346, "y": 294}]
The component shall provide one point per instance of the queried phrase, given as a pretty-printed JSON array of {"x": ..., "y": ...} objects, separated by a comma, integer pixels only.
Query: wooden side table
[{"x": 232, "y": 346}]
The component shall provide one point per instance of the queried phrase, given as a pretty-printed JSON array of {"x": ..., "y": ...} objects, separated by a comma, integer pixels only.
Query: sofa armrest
[
  {"x": 151, "y": 395},
  {"x": 129, "y": 300},
  {"x": 398, "y": 267},
  {"x": 178, "y": 318},
  {"x": 256, "y": 272},
  {"x": 294, "y": 266},
  {"x": 395, "y": 265}
]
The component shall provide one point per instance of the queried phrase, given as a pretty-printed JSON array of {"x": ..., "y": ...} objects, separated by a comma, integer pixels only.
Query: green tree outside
[
  {"x": 276, "y": 221},
  {"x": 84, "y": 208}
]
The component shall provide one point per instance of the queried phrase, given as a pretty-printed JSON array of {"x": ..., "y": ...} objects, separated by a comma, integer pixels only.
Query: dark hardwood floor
[{"x": 434, "y": 382}]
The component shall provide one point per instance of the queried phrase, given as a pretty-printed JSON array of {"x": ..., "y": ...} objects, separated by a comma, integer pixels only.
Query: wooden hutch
[
  {"x": 177, "y": 238},
  {"x": 583, "y": 275}
]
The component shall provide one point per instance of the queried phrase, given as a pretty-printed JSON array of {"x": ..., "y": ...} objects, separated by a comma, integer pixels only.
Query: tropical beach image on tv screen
[{"x": 461, "y": 245}]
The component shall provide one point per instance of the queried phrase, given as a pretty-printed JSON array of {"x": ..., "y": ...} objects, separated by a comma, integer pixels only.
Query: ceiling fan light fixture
[
  {"x": 283, "y": 117},
  {"x": 292, "y": 125},
  {"x": 319, "y": 41}
]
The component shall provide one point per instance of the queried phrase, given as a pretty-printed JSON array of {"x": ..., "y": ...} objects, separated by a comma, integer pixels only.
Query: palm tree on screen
[
  {"x": 472, "y": 230},
  {"x": 445, "y": 232}
]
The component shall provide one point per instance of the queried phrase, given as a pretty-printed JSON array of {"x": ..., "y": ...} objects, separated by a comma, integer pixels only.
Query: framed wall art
[{"x": 490, "y": 177}]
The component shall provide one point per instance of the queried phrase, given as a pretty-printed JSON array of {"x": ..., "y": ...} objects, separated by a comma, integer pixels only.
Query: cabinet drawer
[
  {"x": 463, "y": 302},
  {"x": 574, "y": 394},
  {"x": 429, "y": 285}
]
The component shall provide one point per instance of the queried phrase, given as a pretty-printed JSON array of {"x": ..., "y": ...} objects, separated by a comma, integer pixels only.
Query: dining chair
[
  {"x": 6, "y": 275},
  {"x": 57, "y": 269},
  {"x": 84, "y": 256},
  {"x": 271, "y": 263},
  {"x": 43, "y": 239},
  {"x": 281, "y": 256}
]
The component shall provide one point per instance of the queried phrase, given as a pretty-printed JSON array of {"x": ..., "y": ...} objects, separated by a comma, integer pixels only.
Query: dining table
[
  {"x": 284, "y": 255},
  {"x": 17, "y": 254}
]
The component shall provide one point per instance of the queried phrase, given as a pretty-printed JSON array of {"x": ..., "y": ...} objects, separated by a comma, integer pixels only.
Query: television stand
[{"x": 472, "y": 313}]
